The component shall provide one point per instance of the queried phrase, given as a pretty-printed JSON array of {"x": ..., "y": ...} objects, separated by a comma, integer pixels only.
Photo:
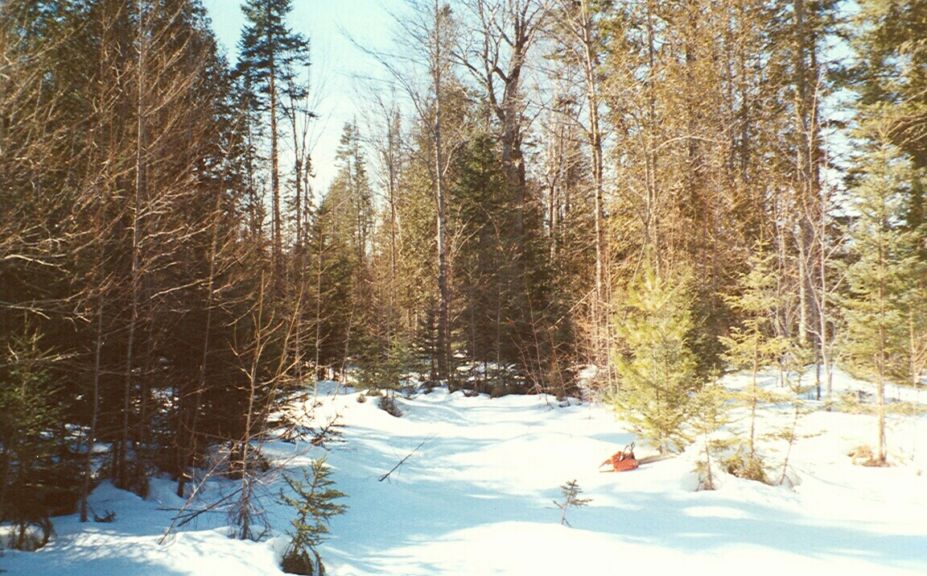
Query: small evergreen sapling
[
  {"x": 751, "y": 346},
  {"x": 32, "y": 472},
  {"x": 658, "y": 370},
  {"x": 314, "y": 503},
  {"x": 711, "y": 414},
  {"x": 570, "y": 492}
]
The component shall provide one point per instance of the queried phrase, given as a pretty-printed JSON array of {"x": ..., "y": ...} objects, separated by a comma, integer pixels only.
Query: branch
[{"x": 401, "y": 462}]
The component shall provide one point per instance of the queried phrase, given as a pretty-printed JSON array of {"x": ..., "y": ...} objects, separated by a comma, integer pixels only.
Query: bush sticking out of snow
[
  {"x": 749, "y": 467},
  {"x": 107, "y": 517},
  {"x": 863, "y": 455},
  {"x": 388, "y": 404}
]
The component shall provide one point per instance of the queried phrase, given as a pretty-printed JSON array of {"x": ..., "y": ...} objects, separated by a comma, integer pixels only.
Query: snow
[{"x": 476, "y": 497}]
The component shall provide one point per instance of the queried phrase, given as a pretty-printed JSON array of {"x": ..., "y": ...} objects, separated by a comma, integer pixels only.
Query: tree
[
  {"x": 711, "y": 413},
  {"x": 571, "y": 499},
  {"x": 270, "y": 57},
  {"x": 496, "y": 54},
  {"x": 429, "y": 35},
  {"x": 314, "y": 504},
  {"x": 889, "y": 34},
  {"x": 884, "y": 258},
  {"x": 30, "y": 441},
  {"x": 581, "y": 37},
  {"x": 658, "y": 372},
  {"x": 754, "y": 344}
]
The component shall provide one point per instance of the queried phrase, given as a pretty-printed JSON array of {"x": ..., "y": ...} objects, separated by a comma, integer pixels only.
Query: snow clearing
[{"x": 469, "y": 485}]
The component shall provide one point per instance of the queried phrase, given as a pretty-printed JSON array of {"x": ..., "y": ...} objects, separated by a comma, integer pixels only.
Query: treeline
[{"x": 536, "y": 186}]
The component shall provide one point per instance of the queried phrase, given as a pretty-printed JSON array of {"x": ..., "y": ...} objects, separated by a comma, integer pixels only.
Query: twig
[{"x": 406, "y": 457}]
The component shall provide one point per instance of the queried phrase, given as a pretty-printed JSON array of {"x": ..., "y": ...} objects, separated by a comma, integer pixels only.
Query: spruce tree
[
  {"x": 314, "y": 502},
  {"x": 571, "y": 498},
  {"x": 884, "y": 259},
  {"x": 30, "y": 447},
  {"x": 711, "y": 414},
  {"x": 271, "y": 55},
  {"x": 754, "y": 344},
  {"x": 659, "y": 371}
]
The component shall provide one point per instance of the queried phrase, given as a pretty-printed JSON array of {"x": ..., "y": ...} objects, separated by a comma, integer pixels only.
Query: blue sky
[{"x": 336, "y": 61}]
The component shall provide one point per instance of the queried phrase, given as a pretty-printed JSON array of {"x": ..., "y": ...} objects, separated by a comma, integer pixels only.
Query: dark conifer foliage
[{"x": 272, "y": 55}]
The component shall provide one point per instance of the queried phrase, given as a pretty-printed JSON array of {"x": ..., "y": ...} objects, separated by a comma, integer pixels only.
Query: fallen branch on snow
[{"x": 401, "y": 462}]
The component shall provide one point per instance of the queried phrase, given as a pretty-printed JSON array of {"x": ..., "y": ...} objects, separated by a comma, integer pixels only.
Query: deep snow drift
[{"x": 476, "y": 497}]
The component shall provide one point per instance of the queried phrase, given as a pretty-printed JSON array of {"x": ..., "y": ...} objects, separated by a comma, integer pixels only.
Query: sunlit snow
[{"x": 477, "y": 498}]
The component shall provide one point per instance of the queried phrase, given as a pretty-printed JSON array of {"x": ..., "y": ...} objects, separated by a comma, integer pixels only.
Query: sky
[{"x": 336, "y": 61}]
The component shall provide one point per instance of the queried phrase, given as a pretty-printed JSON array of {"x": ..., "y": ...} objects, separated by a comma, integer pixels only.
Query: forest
[{"x": 658, "y": 191}]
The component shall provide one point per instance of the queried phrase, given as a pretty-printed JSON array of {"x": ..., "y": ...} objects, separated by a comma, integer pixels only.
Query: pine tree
[
  {"x": 659, "y": 371},
  {"x": 314, "y": 503},
  {"x": 889, "y": 34}
]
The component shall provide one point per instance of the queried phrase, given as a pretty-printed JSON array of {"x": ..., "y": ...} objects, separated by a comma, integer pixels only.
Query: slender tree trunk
[
  {"x": 94, "y": 413},
  {"x": 754, "y": 400},
  {"x": 318, "y": 303},
  {"x": 444, "y": 343},
  {"x": 246, "y": 489},
  {"x": 824, "y": 337},
  {"x": 652, "y": 234},
  {"x": 806, "y": 122},
  {"x": 392, "y": 181},
  {"x": 135, "y": 281},
  {"x": 279, "y": 275},
  {"x": 600, "y": 312},
  {"x": 882, "y": 347}
]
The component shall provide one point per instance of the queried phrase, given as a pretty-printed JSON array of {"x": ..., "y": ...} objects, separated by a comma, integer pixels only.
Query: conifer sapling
[
  {"x": 570, "y": 492},
  {"x": 313, "y": 500}
]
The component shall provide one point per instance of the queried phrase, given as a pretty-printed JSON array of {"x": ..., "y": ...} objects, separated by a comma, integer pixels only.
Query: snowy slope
[{"x": 476, "y": 497}]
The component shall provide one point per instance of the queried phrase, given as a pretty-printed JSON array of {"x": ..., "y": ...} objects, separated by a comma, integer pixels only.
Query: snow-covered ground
[{"x": 477, "y": 494}]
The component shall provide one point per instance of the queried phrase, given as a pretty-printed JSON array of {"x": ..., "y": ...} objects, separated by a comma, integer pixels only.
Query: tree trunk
[
  {"x": 444, "y": 343},
  {"x": 135, "y": 281},
  {"x": 275, "y": 170},
  {"x": 94, "y": 413},
  {"x": 600, "y": 315}
]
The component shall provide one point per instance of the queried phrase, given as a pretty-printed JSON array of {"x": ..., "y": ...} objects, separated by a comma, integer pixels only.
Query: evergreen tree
[
  {"x": 485, "y": 302},
  {"x": 342, "y": 239},
  {"x": 570, "y": 491},
  {"x": 31, "y": 443},
  {"x": 313, "y": 500},
  {"x": 350, "y": 198},
  {"x": 658, "y": 372},
  {"x": 754, "y": 344},
  {"x": 711, "y": 413},
  {"x": 889, "y": 37},
  {"x": 271, "y": 55},
  {"x": 884, "y": 258}
]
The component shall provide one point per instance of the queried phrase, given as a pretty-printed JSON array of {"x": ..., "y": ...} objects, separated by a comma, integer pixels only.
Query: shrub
[
  {"x": 749, "y": 467},
  {"x": 388, "y": 403}
]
